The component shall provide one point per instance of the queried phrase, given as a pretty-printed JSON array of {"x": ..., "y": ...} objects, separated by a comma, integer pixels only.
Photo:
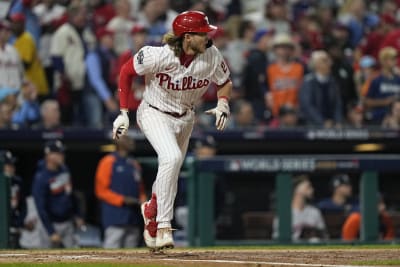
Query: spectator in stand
[
  {"x": 101, "y": 72},
  {"x": 340, "y": 36},
  {"x": 6, "y": 112},
  {"x": 17, "y": 201},
  {"x": 254, "y": 75},
  {"x": 8, "y": 102},
  {"x": 11, "y": 69},
  {"x": 69, "y": 46},
  {"x": 50, "y": 116},
  {"x": 53, "y": 194},
  {"x": 215, "y": 10},
  {"x": 139, "y": 39},
  {"x": 237, "y": 49},
  {"x": 372, "y": 41},
  {"x": 139, "y": 35},
  {"x": 121, "y": 24},
  {"x": 50, "y": 15},
  {"x": 320, "y": 101},
  {"x": 120, "y": 189},
  {"x": 352, "y": 226},
  {"x": 102, "y": 12},
  {"x": 392, "y": 120},
  {"x": 308, "y": 30},
  {"x": 243, "y": 116},
  {"x": 284, "y": 74},
  {"x": 307, "y": 220},
  {"x": 157, "y": 17},
  {"x": 391, "y": 40},
  {"x": 326, "y": 16},
  {"x": 25, "y": 7},
  {"x": 359, "y": 20},
  {"x": 343, "y": 73},
  {"x": 341, "y": 198},
  {"x": 385, "y": 88},
  {"x": 365, "y": 74},
  {"x": 26, "y": 47},
  {"x": 389, "y": 7},
  {"x": 276, "y": 17},
  {"x": 288, "y": 118},
  {"x": 355, "y": 116},
  {"x": 49, "y": 11},
  {"x": 220, "y": 39},
  {"x": 26, "y": 112}
]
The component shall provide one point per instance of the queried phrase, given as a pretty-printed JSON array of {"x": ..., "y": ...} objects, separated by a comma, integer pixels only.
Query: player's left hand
[
  {"x": 221, "y": 112},
  {"x": 121, "y": 124}
]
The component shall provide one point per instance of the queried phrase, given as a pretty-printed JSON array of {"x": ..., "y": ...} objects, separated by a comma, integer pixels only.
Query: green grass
[
  {"x": 304, "y": 246},
  {"x": 377, "y": 262},
  {"x": 75, "y": 264}
]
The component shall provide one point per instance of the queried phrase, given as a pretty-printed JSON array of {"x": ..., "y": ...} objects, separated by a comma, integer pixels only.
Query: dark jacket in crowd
[
  {"x": 255, "y": 81},
  {"x": 320, "y": 101}
]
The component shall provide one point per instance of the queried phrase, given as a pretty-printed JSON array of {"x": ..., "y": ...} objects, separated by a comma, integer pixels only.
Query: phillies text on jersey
[{"x": 173, "y": 87}]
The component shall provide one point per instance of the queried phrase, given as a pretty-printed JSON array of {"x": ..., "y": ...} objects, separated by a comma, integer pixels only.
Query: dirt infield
[{"x": 212, "y": 257}]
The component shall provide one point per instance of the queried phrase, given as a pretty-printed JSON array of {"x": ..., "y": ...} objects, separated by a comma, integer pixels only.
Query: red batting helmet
[{"x": 191, "y": 21}]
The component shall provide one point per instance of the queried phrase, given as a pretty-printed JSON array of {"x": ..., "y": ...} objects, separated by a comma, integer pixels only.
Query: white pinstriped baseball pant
[{"x": 169, "y": 136}]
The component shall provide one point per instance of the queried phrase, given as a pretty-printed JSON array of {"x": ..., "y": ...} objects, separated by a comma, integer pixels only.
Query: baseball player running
[{"x": 177, "y": 75}]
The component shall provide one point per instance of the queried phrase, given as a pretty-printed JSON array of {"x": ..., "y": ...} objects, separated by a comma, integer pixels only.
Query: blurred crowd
[{"x": 329, "y": 63}]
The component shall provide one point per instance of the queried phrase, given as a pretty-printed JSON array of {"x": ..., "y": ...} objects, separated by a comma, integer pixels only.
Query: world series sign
[{"x": 301, "y": 163}]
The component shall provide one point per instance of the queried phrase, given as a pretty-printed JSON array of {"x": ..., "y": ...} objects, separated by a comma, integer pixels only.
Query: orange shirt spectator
[
  {"x": 284, "y": 76},
  {"x": 352, "y": 225},
  {"x": 283, "y": 84}
]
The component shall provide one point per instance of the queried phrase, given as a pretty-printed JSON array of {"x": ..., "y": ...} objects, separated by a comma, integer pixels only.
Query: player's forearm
[
  {"x": 125, "y": 83},
  {"x": 225, "y": 91}
]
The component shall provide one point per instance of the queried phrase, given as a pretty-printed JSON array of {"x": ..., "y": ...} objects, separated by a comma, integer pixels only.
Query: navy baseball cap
[
  {"x": 54, "y": 146},
  {"x": 6, "y": 157}
]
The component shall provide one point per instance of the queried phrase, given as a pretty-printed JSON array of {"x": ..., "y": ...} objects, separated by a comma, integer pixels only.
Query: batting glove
[
  {"x": 121, "y": 124},
  {"x": 221, "y": 112}
]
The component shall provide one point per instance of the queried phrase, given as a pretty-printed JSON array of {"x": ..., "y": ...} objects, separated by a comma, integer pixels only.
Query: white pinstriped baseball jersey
[
  {"x": 11, "y": 70},
  {"x": 173, "y": 87}
]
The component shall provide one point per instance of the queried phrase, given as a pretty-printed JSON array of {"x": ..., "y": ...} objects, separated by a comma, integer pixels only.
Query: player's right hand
[{"x": 121, "y": 124}]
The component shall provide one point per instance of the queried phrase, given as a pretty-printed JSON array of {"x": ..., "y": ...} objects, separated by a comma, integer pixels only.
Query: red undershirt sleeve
[{"x": 125, "y": 82}]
